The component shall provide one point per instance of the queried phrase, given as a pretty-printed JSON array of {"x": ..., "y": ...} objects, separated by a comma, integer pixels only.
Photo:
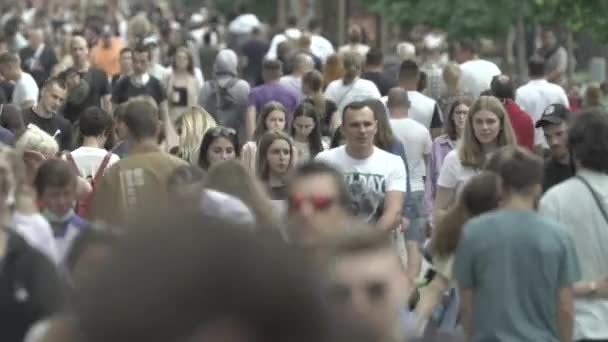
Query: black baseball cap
[{"x": 555, "y": 114}]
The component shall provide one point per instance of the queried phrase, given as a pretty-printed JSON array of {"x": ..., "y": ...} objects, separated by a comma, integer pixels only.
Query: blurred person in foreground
[
  {"x": 214, "y": 295},
  {"x": 318, "y": 204},
  {"x": 367, "y": 279},
  {"x": 581, "y": 204},
  {"x": 527, "y": 292}
]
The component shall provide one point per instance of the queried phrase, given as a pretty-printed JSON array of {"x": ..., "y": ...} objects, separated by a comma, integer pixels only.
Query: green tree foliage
[{"x": 493, "y": 18}]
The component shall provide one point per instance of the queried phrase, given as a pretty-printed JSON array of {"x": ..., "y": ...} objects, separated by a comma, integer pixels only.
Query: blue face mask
[{"x": 53, "y": 218}]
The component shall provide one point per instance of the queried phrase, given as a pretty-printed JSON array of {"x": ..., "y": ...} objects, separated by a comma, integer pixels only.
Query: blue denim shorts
[{"x": 415, "y": 211}]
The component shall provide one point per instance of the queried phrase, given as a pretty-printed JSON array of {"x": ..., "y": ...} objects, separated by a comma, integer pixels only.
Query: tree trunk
[
  {"x": 522, "y": 63},
  {"x": 571, "y": 61}
]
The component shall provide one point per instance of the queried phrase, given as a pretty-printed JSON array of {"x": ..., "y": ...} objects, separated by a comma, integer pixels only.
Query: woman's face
[
  {"x": 276, "y": 121},
  {"x": 220, "y": 149},
  {"x": 303, "y": 125},
  {"x": 486, "y": 126},
  {"x": 181, "y": 60},
  {"x": 278, "y": 156},
  {"x": 460, "y": 116}
]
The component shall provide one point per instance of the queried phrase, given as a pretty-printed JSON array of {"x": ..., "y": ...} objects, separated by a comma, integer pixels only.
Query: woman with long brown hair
[
  {"x": 487, "y": 129},
  {"x": 275, "y": 159},
  {"x": 480, "y": 194},
  {"x": 312, "y": 87}
]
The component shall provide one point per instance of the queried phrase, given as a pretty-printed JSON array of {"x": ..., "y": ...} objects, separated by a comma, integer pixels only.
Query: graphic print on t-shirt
[{"x": 367, "y": 194}]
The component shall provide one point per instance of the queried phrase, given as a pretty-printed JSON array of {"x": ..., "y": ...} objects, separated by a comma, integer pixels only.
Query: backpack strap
[
  {"x": 71, "y": 160},
  {"x": 596, "y": 197},
  {"x": 102, "y": 166}
]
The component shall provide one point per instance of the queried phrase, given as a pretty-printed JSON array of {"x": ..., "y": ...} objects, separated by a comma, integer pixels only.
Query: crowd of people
[{"x": 187, "y": 176}]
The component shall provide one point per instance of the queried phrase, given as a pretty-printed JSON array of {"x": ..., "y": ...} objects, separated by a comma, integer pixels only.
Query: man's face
[
  {"x": 9, "y": 71},
  {"x": 370, "y": 284},
  {"x": 315, "y": 213},
  {"x": 126, "y": 63},
  {"x": 59, "y": 200},
  {"x": 53, "y": 97},
  {"x": 140, "y": 62},
  {"x": 79, "y": 51},
  {"x": 557, "y": 139},
  {"x": 359, "y": 128},
  {"x": 548, "y": 39}
]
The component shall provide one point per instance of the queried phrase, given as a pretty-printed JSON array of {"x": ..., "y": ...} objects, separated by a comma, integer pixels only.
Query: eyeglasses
[
  {"x": 218, "y": 131},
  {"x": 318, "y": 202},
  {"x": 342, "y": 293}
]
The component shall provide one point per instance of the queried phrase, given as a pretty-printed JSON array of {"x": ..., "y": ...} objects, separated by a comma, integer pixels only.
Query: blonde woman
[
  {"x": 487, "y": 129},
  {"x": 191, "y": 128},
  {"x": 35, "y": 146}
]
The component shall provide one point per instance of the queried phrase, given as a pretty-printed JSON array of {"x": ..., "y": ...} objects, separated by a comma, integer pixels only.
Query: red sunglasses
[{"x": 318, "y": 202}]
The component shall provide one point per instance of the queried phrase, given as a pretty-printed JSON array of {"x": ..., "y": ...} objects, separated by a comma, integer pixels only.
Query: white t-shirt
[
  {"x": 534, "y": 97},
  {"x": 88, "y": 160},
  {"x": 360, "y": 49},
  {"x": 369, "y": 179},
  {"x": 26, "y": 89},
  {"x": 321, "y": 47},
  {"x": 422, "y": 108},
  {"x": 359, "y": 90},
  {"x": 293, "y": 83},
  {"x": 417, "y": 142},
  {"x": 477, "y": 76},
  {"x": 453, "y": 174},
  {"x": 244, "y": 24}
]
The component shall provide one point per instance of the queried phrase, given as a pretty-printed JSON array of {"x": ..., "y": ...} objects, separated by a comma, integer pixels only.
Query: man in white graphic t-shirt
[{"x": 376, "y": 179}]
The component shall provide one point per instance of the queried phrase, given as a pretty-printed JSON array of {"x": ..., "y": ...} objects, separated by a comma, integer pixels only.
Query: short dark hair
[
  {"x": 588, "y": 139},
  {"x": 502, "y": 87},
  {"x": 519, "y": 168},
  {"x": 292, "y": 21},
  {"x": 141, "y": 118},
  {"x": 361, "y": 238},
  {"x": 314, "y": 24},
  {"x": 9, "y": 58},
  {"x": 119, "y": 112},
  {"x": 272, "y": 68},
  {"x": 54, "y": 172},
  {"x": 536, "y": 66},
  {"x": 409, "y": 70},
  {"x": 356, "y": 105},
  {"x": 58, "y": 81},
  {"x": 316, "y": 168},
  {"x": 469, "y": 45},
  {"x": 374, "y": 57},
  {"x": 94, "y": 122},
  {"x": 314, "y": 79},
  {"x": 142, "y": 48},
  {"x": 125, "y": 50}
]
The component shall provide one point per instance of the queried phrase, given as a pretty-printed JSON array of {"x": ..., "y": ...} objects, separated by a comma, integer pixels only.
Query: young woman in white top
[
  {"x": 305, "y": 132},
  {"x": 272, "y": 118},
  {"x": 487, "y": 128},
  {"x": 182, "y": 85}
]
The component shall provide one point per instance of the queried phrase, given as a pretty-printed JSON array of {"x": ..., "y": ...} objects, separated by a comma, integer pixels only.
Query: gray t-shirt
[{"x": 515, "y": 261}]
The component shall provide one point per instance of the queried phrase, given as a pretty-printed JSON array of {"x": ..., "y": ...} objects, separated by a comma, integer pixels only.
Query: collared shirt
[
  {"x": 572, "y": 204},
  {"x": 534, "y": 97}
]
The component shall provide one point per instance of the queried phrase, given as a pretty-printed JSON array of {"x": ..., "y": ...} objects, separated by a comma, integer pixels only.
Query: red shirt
[{"x": 522, "y": 124}]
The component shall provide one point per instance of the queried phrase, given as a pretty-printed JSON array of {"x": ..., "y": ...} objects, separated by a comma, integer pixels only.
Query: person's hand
[{"x": 405, "y": 224}]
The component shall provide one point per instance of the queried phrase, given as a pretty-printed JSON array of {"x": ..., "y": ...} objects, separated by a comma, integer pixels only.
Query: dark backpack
[
  {"x": 82, "y": 207},
  {"x": 224, "y": 107}
]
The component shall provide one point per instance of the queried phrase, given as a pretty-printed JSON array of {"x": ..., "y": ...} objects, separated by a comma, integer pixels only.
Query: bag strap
[
  {"x": 102, "y": 167},
  {"x": 71, "y": 160},
  {"x": 596, "y": 197}
]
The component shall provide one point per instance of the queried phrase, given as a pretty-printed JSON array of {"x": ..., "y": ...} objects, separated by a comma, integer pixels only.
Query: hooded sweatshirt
[{"x": 225, "y": 76}]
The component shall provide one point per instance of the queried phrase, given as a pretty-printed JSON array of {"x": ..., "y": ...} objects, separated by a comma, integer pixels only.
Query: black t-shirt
[
  {"x": 126, "y": 89},
  {"x": 99, "y": 86},
  {"x": 255, "y": 51},
  {"x": 51, "y": 126},
  {"x": 30, "y": 289},
  {"x": 381, "y": 81},
  {"x": 556, "y": 172}
]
